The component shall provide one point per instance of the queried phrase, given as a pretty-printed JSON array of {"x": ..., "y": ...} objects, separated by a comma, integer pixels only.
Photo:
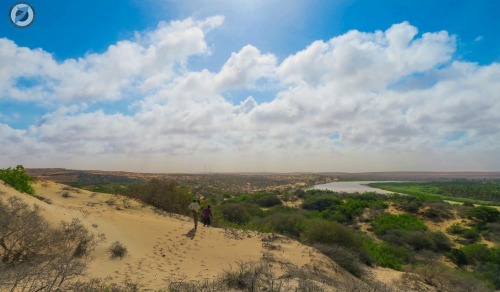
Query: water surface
[{"x": 351, "y": 187}]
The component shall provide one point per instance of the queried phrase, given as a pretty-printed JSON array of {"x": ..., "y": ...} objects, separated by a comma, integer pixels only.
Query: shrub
[
  {"x": 458, "y": 257},
  {"x": 406, "y": 222},
  {"x": 446, "y": 279},
  {"x": 300, "y": 193},
  {"x": 456, "y": 229},
  {"x": 476, "y": 252},
  {"x": 407, "y": 203},
  {"x": 18, "y": 179},
  {"x": 321, "y": 204},
  {"x": 418, "y": 240},
  {"x": 492, "y": 231},
  {"x": 483, "y": 214},
  {"x": 35, "y": 255},
  {"x": 437, "y": 211},
  {"x": 321, "y": 231},
  {"x": 388, "y": 256},
  {"x": 249, "y": 276},
  {"x": 469, "y": 235},
  {"x": 166, "y": 195},
  {"x": 344, "y": 257},
  {"x": 268, "y": 201},
  {"x": 326, "y": 232},
  {"x": 286, "y": 224},
  {"x": 484, "y": 261},
  {"x": 235, "y": 213},
  {"x": 440, "y": 242},
  {"x": 117, "y": 250}
]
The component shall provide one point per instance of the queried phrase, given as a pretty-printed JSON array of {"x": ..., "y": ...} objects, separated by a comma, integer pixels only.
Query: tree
[
  {"x": 484, "y": 214},
  {"x": 18, "y": 179}
]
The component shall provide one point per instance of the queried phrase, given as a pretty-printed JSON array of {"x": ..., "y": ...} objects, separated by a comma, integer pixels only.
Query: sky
[{"x": 252, "y": 85}]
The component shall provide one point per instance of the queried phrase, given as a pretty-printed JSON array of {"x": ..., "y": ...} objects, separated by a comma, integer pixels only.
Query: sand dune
[{"x": 165, "y": 248}]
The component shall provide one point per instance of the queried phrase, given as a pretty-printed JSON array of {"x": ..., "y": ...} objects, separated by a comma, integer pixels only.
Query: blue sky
[
  {"x": 71, "y": 29},
  {"x": 251, "y": 84}
]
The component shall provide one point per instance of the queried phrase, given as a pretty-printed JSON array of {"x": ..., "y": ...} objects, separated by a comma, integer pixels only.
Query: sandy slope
[{"x": 163, "y": 248}]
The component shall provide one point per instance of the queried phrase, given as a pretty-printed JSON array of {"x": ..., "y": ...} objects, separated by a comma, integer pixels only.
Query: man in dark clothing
[{"x": 207, "y": 216}]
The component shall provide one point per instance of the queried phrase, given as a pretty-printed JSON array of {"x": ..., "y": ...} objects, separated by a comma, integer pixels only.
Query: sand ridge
[{"x": 162, "y": 248}]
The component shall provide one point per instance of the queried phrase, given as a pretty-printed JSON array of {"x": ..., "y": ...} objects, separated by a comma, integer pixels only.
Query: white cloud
[
  {"x": 149, "y": 60},
  {"x": 244, "y": 68},
  {"x": 390, "y": 99}
]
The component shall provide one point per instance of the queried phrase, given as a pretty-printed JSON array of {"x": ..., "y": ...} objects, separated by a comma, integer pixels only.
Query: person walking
[
  {"x": 207, "y": 216},
  {"x": 195, "y": 208}
]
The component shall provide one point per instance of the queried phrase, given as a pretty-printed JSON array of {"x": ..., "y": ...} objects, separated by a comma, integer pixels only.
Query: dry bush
[
  {"x": 98, "y": 285},
  {"x": 163, "y": 194},
  {"x": 444, "y": 279},
  {"x": 344, "y": 257},
  {"x": 117, "y": 250},
  {"x": 254, "y": 276},
  {"x": 36, "y": 257},
  {"x": 110, "y": 202},
  {"x": 216, "y": 285}
]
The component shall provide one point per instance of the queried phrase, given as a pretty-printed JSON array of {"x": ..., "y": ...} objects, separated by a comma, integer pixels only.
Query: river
[{"x": 350, "y": 187}]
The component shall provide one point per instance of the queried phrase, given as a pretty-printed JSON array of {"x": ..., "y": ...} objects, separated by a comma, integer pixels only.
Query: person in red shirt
[{"x": 207, "y": 216}]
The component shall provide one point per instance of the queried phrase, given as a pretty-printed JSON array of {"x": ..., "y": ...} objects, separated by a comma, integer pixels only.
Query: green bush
[
  {"x": 407, "y": 203},
  {"x": 483, "y": 214},
  {"x": 458, "y": 257},
  {"x": 268, "y": 201},
  {"x": 484, "y": 261},
  {"x": 492, "y": 231},
  {"x": 406, "y": 222},
  {"x": 389, "y": 256},
  {"x": 322, "y": 231},
  {"x": 18, "y": 179},
  {"x": 286, "y": 224},
  {"x": 418, "y": 240},
  {"x": 476, "y": 252},
  {"x": 468, "y": 235},
  {"x": 326, "y": 232},
  {"x": 471, "y": 235},
  {"x": 437, "y": 211},
  {"x": 321, "y": 204},
  {"x": 456, "y": 229},
  {"x": 235, "y": 213}
]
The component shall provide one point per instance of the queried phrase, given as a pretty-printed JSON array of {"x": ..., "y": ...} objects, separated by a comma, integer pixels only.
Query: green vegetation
[
  {"x": 483, "y": 214},
  {"x": 467, "y": 235},
  {"x": 483, "y": 260},
  {"x": 382, "y": 224},
  {"x": 485, "y": 192},
  {"x": 389, "y": 256},
  {"x": 18, "y": 179},
  {"x": 341, "y": 207}
]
